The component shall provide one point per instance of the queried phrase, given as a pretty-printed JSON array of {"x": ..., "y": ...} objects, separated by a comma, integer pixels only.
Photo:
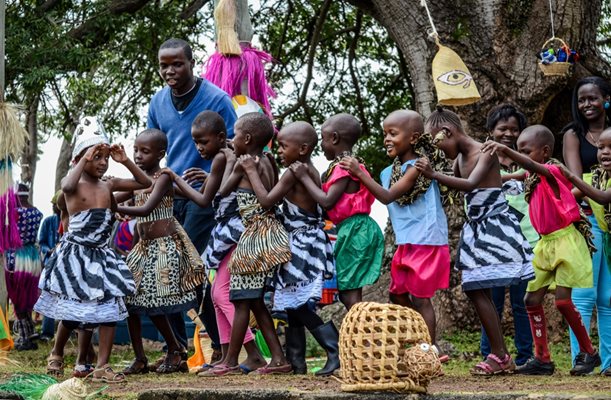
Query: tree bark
[{"x": 29, "y": 157}]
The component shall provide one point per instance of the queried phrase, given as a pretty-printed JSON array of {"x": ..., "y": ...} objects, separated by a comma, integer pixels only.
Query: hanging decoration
[
  {"x": 453, "y": 81},
  {"x": 13, "y": 138},
  {"x": 556, "y": 57},
  {"x": 236, "y": 66}
]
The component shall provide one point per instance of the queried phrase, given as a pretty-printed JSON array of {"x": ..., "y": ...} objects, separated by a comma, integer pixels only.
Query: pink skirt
[{"x": 420, "y": 270}]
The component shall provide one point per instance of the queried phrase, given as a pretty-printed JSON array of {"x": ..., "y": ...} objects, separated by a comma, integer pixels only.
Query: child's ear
[
  {"x": 547, "y": 151},
  {"x": 161, "y": 155},
  {"x": 247, "y": 138},
  {"x": 335, "y": 139},
  {"x": 415, "y": 137},
  {"x": 304, "y": 149}
]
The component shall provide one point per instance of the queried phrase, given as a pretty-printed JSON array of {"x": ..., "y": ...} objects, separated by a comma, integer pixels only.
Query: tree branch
[
  {"x": 353, "y": 74},
  {"x": 320, "y": 21},
  {"x": 192, "y": 8}
]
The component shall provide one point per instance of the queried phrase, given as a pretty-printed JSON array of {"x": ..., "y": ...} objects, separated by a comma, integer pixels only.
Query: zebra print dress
[
  {"x": 83, "y": 279},
  {"x": 301, "y": 279},
  {"x": 493, "y": 251},
  {"x": 227, "y": 231},
  {"x": 262, "y": 247}
]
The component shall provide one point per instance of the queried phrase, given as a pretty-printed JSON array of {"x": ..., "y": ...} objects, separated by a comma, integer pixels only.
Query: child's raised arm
[
  {"x": 405, "y": 184},
  {"x": 326, "y": 200},
  {"x": 70, "y": 182},
  {"x": 140, "y": 180},
  {"x": 600, "y": 196},
  {"x": 163, "y": 184},
  {"x": 522, "y": 160},
  {"x": 266, "y": 198},
  {"x": 479, "y": 174},
  {"x": 210, "y": 187}
]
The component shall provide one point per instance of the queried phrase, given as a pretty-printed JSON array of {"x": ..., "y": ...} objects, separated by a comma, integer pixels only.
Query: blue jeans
[
  {"x": 48, "y": 327},
  {"x": 599, "y": 295},
  {"x": 198, "y": 223},
  {"x": 523, "y": 339}
]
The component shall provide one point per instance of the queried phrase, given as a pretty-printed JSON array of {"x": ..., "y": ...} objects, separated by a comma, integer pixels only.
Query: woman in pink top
[{"x": 360, "y": 243}]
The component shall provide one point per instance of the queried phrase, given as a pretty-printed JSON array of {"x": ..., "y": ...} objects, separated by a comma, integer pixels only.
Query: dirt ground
[{"x": 560, "y": 383}]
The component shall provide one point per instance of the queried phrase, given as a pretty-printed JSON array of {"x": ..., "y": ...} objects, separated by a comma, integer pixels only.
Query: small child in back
[
  {"x": 210, "y": 138},
  {"x": 165, "y": 264},
  {"x": 421, "y": 264},
  {"x": 359, "y": 246},
  {"x": 299, "y": 282},
  {"x": 263, "y": 245},
  {"x": 84, "y": 281},
  {"x": 561, "y": 256},
  {"x": 492, "y": 251}
]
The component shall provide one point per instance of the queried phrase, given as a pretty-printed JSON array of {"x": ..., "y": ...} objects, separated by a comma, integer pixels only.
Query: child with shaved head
[
  {"x": 299, "y": 282},
  {"x": 561, "y": 256},
  {"x": 359, "y": 246}
]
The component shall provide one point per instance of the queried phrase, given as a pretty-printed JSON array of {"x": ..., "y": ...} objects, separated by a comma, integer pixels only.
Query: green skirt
[{"x": 359, "y": 250}]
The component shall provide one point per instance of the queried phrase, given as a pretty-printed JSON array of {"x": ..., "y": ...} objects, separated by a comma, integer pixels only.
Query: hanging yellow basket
[{"x": 556, "y": 68}]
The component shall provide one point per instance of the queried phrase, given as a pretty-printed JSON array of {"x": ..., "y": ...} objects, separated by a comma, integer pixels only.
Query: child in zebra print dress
[
  {"x": 492, "y": 251},
  {"x": 209, "y": 136},
  {"x": 562, "y": 256},
  {"x": 84, "y": 281},
  {"x": 165, "y": 264},
  {"x": 299, "y": 282},
  {"x": 263, "y": 246}
]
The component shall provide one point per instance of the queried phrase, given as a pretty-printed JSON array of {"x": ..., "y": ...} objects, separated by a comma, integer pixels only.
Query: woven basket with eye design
[{"x": 373, "y": 340}]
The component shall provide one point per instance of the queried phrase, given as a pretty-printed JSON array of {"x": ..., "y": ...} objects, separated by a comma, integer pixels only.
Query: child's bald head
[
  {"x": 536, "y": 142},
  {"x": 300, "y": 132},
  {"x": 346, "y": 125},
  {"x": 410, "y": 120}
]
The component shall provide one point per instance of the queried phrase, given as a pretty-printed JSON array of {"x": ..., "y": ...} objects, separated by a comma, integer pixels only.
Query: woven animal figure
[
  {"x": 422, "y": 363},
  {"x": 374, "y": 339}
]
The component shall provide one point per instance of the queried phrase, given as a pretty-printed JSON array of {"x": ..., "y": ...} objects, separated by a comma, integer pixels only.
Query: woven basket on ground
[{"x": 373, "y": 340}]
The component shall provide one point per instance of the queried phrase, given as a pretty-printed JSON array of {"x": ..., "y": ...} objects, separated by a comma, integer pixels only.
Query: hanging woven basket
[
  {"x": 374, "y": 339},
  {"x": 555, "y": 68}
]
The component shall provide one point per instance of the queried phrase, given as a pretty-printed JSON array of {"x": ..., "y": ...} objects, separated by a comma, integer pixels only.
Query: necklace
[
  {"x": 187, "y": 92},
  {"x": 594, "y": 142}
]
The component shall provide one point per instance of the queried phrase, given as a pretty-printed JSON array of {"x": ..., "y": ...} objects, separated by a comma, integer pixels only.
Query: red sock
[
  {"x": 572, "y": 316},
  {"x": 538, "y": 329}
]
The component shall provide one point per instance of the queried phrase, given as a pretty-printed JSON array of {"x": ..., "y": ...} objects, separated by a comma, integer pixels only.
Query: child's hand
[
  {"x": 424, "y": 166},
  {"x": 350, "y": 164},
  {"x": 229, "y": 154},
  {"x": 299, "y": 169},
  {"x": 566, "y": 172},
  {"x": 493, "y": 147},
  {"x": 117, "y": 152},
  {"x": 169, "y": 172},
  {"x": 194, "y": 175},
  {"x": 248, "y": 162},
  {"x": 93, "y": 150}
]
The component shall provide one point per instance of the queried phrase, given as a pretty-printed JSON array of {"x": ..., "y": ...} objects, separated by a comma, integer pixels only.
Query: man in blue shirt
[{"x": 172, "y": 110}]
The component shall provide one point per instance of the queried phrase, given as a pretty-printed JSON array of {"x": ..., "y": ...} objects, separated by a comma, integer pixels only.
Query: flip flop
[
  {"x": 245, "y": 369},
  {"x": 278, "y": 370}
]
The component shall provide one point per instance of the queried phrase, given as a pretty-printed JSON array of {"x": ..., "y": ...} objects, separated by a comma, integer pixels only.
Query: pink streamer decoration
[
  {"x": 228, "y": 73},
  {"x": 22, "y": 289},
  {"x": 9, "y": 233}
]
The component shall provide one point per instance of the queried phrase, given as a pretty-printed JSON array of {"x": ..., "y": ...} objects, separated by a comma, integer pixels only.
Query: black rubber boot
[
  {"x": 296, "y": 349},
  {"x": 328, "y": 337}
]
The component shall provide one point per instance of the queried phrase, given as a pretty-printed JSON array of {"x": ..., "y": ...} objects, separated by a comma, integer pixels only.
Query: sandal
[
  {"x": 277, "y": 370},
  {"x": 169, "y": 368},
  {"x": 221, "y": 370},
  {"x": 55, "y": 365},
  {"x": 105, "y": 374},
  {"x": 133, "y": 368},
  {"x": 82, "y": 370},
  {"x": 497, "y": 366}
]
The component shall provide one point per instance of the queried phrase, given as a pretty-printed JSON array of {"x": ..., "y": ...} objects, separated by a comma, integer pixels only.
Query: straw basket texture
[
  {"x": 373, "y": 340},
  {"x": 556, "y": 68}
]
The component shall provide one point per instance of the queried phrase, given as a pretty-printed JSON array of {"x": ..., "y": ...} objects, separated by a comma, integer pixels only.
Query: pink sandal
[{"x": 506, "y": 365}]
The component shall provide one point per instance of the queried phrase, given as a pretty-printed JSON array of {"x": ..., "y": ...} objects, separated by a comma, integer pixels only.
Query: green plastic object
[{"x": 262, "y": 345}]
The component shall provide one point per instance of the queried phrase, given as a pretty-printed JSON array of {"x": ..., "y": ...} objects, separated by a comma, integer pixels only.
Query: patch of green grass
[{"x": 466, "y": 352}]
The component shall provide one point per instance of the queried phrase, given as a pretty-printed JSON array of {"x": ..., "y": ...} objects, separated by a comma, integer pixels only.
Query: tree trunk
[
  {"x": 498, "y": 40},
  {"x": 29, "y": 157},
  {"x": 63, "y": 161}
]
